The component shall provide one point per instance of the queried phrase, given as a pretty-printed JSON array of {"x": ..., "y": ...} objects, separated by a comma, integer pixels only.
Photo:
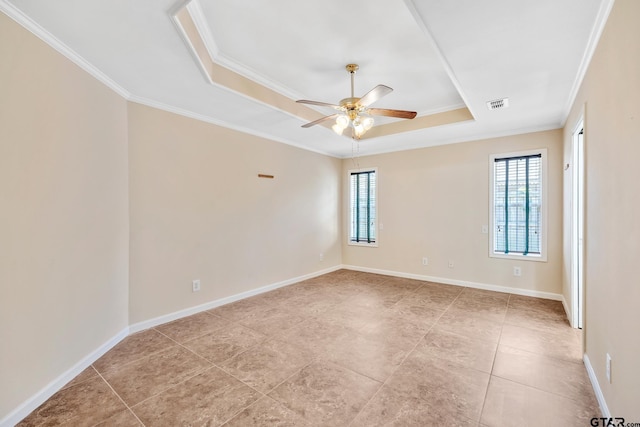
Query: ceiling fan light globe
[
  {"x": 367, "y": 122},
  {"x": 359, "y": 129},
  {"x": 337, "y": 129},
  {"x": 342, "y": 121}
]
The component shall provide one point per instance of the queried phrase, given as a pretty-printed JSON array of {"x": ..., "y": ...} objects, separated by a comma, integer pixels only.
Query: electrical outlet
[
  {"x": 425, "y": 261},
  {"x": 450, "y": 263},
  {"x": 485, "y": 229},
  {"x": 195, "y": 285},
  {"x": 608, "y": 368},
  {"x": 517, "y": 271},
  {"x": 321, "y": 256}
]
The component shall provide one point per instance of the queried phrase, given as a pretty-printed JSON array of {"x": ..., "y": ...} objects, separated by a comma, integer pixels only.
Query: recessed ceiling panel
[{"x": 300, "y": 48}]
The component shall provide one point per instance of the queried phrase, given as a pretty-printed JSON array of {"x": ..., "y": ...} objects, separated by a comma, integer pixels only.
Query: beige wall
[
  {"x": 433, "y": 202},
  {"x": 610, "y": 96},
  {"x": 63, "y": 215},
  {"x": 199, "y": 211},
  {"x": 74, "y": 157}
]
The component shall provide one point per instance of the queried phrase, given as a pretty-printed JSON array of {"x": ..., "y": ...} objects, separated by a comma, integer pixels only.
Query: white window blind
[
  {"x": 363, "y": 207},
  {"x": 517, "y": 205}
]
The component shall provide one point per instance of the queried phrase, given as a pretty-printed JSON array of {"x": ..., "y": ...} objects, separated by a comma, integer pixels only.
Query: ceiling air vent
[{"x": 498, "y": 103}]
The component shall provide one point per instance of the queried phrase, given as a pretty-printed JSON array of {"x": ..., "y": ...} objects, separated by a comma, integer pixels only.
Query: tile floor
[{"x": 343, "y": 349}]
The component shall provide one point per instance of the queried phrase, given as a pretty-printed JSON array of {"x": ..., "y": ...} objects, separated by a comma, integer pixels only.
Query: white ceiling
[{"x": 437, "y": 55}]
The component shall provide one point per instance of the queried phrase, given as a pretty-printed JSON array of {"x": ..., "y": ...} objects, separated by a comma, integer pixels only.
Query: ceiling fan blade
[
  {"x": 374, "y": 94},
  {"x": 322, "y": 104},
  {"x": 401, "y": 114},
  {"x": 320, "y": 120}
]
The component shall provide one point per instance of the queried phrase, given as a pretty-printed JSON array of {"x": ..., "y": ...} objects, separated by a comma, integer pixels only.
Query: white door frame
[{"x": 577, "y": 226}]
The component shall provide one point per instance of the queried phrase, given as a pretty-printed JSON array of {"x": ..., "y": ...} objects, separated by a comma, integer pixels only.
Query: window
[
  {"x": 363, "y": 207},
  {"x": 518, "y": 205}
]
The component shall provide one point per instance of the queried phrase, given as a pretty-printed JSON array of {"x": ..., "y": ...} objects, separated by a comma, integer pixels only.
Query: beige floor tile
[
  {"x": 273, "y": 320},
  {"x": 430, "y": 287},
  {"x": 147, "y": 377},
  {"x": 459, "y": 349},
  {"x": 225, "y": 343},
  {"x": 339, "y": 292},
  {"x": 336, "y": 277},
  {"x": 469, "y": 325},
  {"x": 435, "y": 295},
  {"x": 325, "y": 394},
  {"x": 394, "y": 408},
  {"x": 210, "y": 398},
  {"x": 442, "y": 384},
  {"x": 188, "y": 328},
  {"x": 132, "y": 348},
  {"x": 533, "y": 318},
  {"x": 538, "y": 308},
  {"x": 409, "y": 285},
  {"x": 87, "y": 374},
  {"x": 84, "y": 404},
  {"x": 553, "y": 375},
  {"x": 355, "y": 318},
  {"x": 314, "y": 335},
  {"x": 311, "y": 305},
  {"x": 280, "y": 296},
  {"x": 498, "y": 299},
  {"x": 486, "y": 311},
  {"x": 416, "y": 311},
  {"x": 267, "y": 412},
  {"x": 549, "y": 306},
  {"x": 369, "y": 278},
  {"x": 376, "y": 357},
  {"x": 376, "y": 298},
  {"x": 562, "y": 343},
  {"x": 392, "y": 323},
  {"x": 238, "y": 310},
  {"x": 333, "y": 340},
  {"x": 510, "y": 404},
  {"x": 122, "y": 419},
  {"x": 264, "y": 367}
]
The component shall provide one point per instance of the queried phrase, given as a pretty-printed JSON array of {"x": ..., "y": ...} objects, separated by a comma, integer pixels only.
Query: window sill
[
  {"x": 364, "y": 244},
  {"x": 534, "y": 258}
]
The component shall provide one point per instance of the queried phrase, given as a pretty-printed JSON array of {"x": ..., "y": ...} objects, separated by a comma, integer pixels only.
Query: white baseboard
[
  {"x": 596, "y": 387},
  {"x": 50, "y": 389},
  {"x": 54, "y": 386},
  {"x": 146, "y": 324},
  {"x": 447, "y": 281}
]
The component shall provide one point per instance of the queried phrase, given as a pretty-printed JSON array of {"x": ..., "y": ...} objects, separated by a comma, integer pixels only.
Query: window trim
[
  {"x": 542, "y": 257},
  {"x": 375, "y": 222}
]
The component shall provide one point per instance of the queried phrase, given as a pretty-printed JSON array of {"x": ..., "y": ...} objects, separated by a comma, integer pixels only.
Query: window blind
[
  {"x": 363, "y": 207},
  {"x": 518, "y": 204}
]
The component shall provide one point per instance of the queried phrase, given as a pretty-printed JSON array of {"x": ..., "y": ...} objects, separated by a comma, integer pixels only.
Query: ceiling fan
[{"x": 355, "y": 112}]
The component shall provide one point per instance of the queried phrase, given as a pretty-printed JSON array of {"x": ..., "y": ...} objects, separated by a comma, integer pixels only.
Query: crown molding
[
  {"x": 457, "y": 140},
  {"x": 594, "y": 38},
  {"x": 207, "y": 119},
  {"x": 44, "y": 35}
]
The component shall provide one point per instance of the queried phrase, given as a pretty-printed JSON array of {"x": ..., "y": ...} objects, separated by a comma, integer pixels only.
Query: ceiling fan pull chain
[{"x": 355, "y": 152}]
